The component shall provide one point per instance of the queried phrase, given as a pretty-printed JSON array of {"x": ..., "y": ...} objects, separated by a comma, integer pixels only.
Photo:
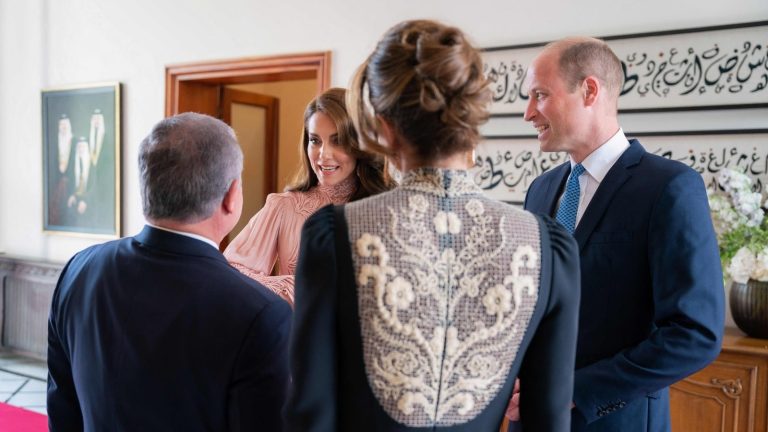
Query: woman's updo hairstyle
[{"x": 427, "y": 80}]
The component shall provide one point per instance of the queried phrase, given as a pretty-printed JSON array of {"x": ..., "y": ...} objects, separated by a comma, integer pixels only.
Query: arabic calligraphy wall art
[
  {"x": 708, "y": 154},
  {"x": 505, "y": 167},
  {"x": 691, "y": 69}
]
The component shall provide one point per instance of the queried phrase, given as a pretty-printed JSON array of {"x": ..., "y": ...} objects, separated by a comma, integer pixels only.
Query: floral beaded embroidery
[{"x": 446, "y": 288}]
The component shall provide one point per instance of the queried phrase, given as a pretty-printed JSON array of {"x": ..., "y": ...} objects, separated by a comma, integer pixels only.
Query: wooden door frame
[
  {"x": 288, "y": 67},
  {"x": 198, "y": 86}
]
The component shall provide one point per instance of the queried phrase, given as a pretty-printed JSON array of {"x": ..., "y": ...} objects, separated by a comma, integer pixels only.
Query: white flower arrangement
[{"x": 738, "y": 214}]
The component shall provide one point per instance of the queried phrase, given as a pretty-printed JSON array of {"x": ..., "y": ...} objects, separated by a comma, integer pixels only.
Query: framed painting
[
  {"x": 719, "y": 67},
  {"x": 81, "y": 160}
]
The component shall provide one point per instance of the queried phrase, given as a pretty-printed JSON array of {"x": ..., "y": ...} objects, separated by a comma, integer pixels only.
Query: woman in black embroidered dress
[{"x": 417, "y": 308}]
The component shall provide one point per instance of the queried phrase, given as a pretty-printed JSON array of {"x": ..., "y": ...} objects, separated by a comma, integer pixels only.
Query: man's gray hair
[{"x": 186, "y": 165}]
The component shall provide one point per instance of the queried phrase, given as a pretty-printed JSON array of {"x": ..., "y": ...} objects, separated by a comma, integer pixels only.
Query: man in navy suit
[
  {"x": 157, "y": 332},
  {"x": 652, "y": 289}
]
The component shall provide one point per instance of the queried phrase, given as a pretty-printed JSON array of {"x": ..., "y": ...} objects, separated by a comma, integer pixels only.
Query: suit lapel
[
  {"x": 617, "y": 176},
  {"x": 546, "y": 202}
]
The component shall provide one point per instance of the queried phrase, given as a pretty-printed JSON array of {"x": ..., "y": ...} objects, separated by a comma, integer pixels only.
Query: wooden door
[
  {"x": 254, "y": 117},
  {"x": 199, "y": 87}
]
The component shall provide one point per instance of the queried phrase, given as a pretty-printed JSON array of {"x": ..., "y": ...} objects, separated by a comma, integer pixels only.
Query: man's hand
[{"x": 513, "y": 409}]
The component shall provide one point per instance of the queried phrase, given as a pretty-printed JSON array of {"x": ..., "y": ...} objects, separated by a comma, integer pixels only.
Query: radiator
[{"x": 26, "y": 288}]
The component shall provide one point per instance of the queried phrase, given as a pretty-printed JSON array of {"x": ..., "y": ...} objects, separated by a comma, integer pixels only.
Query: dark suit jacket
[
  {"x": 651, "y": 287},
  {"x": 158, "y": 333}
]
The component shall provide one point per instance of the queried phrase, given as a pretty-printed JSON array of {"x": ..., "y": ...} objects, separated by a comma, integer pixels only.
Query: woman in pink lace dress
[{"x": 334, "y": 172}]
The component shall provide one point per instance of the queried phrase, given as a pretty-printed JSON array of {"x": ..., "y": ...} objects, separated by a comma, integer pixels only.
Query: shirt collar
[
  {"x": 600, "y": 161},
  {"x": 186, "y": 234}
]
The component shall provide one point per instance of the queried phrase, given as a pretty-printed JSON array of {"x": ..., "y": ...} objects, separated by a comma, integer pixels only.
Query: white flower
[
  {"x": 760, "y": 271},
  {"x": 399, "y": 293},
  {"x": 741, "y": 265},
  {"x": 744, "y": 206},
  {"x": 406, "y": 403},
  {"x": 452, "y": 341},
  {"x": 466, "y": 401},
  {"x": 409, "y": 401},
  {"x": 471, "y": 283},
  {"x": 497, "y": 300},
  {"x": 733, "y": 180},
  {"x": 738, "y": 215},
  {"x": 447, "y": 222},
  {"x": 418, "y": 203},
  {"x": 400, "y": 363},
  {"x": 524, "y": 256},
  {"x": 441, "y": 222},
  {"x": 367, "y": 272},
  {"x": 480, "y": 365},
  {"x": 474, "y": 207},
  {"x": 438, "y": 339},
  {"x": 454, "y": 223},
  {"x": 368, "y": 245}
]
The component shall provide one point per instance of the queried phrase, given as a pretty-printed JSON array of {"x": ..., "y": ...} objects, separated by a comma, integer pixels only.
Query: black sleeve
[
  {"x": 546, "y": 375},
  {"x": 312, "y": 398},
  {"x": 63, "y": 406}
]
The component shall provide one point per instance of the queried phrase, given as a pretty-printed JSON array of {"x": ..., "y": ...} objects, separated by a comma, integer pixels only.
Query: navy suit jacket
[
  {"x": 159, "y": 333},
  {"x": 652, "y": 306}
]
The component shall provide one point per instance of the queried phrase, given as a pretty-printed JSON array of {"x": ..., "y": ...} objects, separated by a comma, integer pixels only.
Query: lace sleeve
[
  {"x": 280, "y": 285},
  {"x": 255, "y": 247}
]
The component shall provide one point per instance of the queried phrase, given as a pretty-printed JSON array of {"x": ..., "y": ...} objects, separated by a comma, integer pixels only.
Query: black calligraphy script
[{"x": 689, "y": 71}]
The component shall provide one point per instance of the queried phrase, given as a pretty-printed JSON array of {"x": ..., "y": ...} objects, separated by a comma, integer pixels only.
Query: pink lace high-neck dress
[{"x": 272, "y": 235}]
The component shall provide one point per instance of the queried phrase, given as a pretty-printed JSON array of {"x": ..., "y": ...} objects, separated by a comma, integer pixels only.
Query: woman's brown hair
[
  {"x": 369, "y": 168},
  {"x": 427, "y": 80}
]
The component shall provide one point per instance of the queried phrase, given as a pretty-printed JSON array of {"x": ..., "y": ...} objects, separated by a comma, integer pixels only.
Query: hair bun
[
  {"x": 431, "y": 98},
  {"x": 448, "y": 69},
  {"x": 427, "y": 79}
]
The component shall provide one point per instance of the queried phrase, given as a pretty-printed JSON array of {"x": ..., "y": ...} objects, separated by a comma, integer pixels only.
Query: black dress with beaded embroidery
[{"x": 417, "y": 308}]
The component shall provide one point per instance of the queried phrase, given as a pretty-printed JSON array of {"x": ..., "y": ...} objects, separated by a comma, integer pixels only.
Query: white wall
[{"x": 48, "y": 43}]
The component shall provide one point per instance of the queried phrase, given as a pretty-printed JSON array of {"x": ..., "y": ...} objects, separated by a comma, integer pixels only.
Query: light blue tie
[{"x": 569, "y": 204}]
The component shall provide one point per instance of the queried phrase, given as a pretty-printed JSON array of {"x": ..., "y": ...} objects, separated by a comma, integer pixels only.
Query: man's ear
[
  {"x": 231, "y": 198},
  {"x": 591, "y": 89}
]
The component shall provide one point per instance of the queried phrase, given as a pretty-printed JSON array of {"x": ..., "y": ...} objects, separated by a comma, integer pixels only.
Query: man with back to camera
[
  {"x": 652, "y": 305},
  {"x": 158, "y": 331}
]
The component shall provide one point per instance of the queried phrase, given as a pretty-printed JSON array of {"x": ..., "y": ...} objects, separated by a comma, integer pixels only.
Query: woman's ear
[{"x": 388, "y": 137}]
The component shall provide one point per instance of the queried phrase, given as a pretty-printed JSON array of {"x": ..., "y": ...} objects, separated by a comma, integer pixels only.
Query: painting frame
[
  {"x": 506, "y": 165},
  {"x": 81, "y": 154},
  {"x": 506, "y": 67}
]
